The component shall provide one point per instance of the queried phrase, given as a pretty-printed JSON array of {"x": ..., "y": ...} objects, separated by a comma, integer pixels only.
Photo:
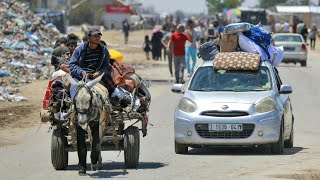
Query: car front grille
[
  {"x": 203, "y": 131},
  {"x": 224, "y": 113}
]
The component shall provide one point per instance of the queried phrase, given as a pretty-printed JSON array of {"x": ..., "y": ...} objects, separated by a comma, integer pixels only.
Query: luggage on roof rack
[
  {"x": 208, "y": 50},
  {"x": 236, "y": 61},
  {"x": 235, "y": 28},
  {"x": 228, "y": 42}
]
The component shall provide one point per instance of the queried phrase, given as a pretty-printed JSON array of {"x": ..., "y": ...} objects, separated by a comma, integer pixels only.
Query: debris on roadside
[{"x": 26, "y": 43}]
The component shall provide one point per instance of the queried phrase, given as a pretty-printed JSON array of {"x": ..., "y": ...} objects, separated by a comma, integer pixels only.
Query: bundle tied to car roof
[{"x": 237, "y": 61}]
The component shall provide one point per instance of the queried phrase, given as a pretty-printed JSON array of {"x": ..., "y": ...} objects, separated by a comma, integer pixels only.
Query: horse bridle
[{"x": 87, "y": 111}]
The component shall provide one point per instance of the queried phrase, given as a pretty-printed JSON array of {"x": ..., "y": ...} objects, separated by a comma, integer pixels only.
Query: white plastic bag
[
  {"x": 276, "y": 54},
  {"x": 58, "y": 73},
  {"x": 247, "y": 45}
]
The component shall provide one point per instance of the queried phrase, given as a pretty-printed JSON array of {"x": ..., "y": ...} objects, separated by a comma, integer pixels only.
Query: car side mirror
[
  {"x": 178, "y": 88},
  {"x": 285, "y": 89}
]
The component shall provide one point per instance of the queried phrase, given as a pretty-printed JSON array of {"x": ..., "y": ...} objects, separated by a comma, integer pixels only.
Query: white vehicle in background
[
  {"x": 295, "y": 48},
  {"x": 136, "y": 22}
]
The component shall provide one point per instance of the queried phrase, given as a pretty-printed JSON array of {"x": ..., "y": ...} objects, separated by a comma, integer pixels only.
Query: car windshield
[
  {"x": 288, "y": 38},
  {"x": 208, "y": 79}
]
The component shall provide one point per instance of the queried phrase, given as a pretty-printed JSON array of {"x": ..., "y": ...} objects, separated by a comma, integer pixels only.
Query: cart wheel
[
  {"x": 59, "y": 155},
  {"x": 132, "y": 147}
]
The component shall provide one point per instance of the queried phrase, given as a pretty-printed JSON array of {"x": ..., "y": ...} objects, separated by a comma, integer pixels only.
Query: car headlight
[
  {"x": 265, "y": 105},
  {"x": 187, "y": 105}
]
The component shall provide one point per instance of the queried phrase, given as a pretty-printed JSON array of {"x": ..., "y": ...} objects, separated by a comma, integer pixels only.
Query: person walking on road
[
  {"x": 90, "y": 57},
  {"x": 300, "y": 27},
  {"x": 202, "y": 33},
  {"x": 179, "y": 40},
  {"x": 211, "y": 33},
  {"x": 156, "y": 42},
  {"x": 165, "y": 41},
  {"x": 125, "y": 30},
  {"x": 304, "y": 32},
  {"x": 277, "y": 27},
  {"x": 286, "y": 27},
  {"x": 146, "y": 46},
  {"x": 312, "y": 36},
  {"x": 191, "y": 48}
]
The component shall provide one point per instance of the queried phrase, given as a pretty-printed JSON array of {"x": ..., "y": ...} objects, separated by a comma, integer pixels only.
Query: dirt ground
[{"x": 23, "y": 114}]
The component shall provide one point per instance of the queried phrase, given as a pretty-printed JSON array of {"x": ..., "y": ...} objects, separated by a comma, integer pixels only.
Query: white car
[
  {"x": 295, "y": 48},
  {"x": 234, "y": 108}
]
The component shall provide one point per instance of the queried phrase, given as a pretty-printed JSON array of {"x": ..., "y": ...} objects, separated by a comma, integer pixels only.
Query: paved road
[{"x": 29, "y": 158}]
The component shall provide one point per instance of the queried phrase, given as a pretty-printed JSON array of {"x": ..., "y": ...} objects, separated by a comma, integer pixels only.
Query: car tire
[
  {"x": 277, "y": 148},
  {"x": 180, "y": 148},
  {"x": 303, "y": 63},
  {"x": 289, "y": 143}
]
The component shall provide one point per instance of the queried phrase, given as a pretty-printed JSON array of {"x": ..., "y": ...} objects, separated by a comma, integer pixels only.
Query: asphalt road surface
[{"x": 27, "y": 153}]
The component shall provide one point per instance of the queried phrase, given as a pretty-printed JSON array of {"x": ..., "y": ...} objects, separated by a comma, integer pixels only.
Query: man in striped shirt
[{"x": 93, "y": 58}]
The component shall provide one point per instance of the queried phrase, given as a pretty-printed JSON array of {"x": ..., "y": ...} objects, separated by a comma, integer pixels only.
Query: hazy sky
[{"x": 192, "y": 6}]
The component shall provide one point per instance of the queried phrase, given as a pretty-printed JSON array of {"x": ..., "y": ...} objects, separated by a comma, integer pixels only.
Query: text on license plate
[
  {"x": 289, "y": 48},
  {"x": 225, "y": 127}
]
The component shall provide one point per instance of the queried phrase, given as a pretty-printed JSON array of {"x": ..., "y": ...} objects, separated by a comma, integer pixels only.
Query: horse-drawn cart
[{"x": 117, "y": 121}]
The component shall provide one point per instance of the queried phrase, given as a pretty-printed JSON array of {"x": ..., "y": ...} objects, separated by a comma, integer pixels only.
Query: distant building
[
  {"x": 250, "y": 3},
  {"x": 48, "y": 4},
  {"x": 116, "y": 11},
  {"x": 309, "y": 14}
]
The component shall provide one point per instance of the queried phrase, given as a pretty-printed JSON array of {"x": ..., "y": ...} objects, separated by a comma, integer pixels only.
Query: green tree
[
  {"x": 271, "y": 3},
  {"x": 304, "y": 2},
  {"x": 85, "y": 13},
  {"x": 215, "y": 6}
]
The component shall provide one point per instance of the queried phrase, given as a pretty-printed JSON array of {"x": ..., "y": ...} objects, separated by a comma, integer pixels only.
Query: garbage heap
[{"x": 26, "y": 43}]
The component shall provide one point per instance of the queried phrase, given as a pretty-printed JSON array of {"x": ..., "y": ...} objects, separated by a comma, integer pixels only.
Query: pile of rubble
[
  {"x": 25, "y": 47},
  {"x": 7, "y": 93}
]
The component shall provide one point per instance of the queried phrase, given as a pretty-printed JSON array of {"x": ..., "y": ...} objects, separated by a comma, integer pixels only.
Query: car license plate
[
  {"x": 225, "y": 127},
  {"x": 289, "y": 48}
]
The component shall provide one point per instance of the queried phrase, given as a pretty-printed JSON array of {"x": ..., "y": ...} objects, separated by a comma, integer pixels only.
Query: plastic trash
[{"x": 4, "y": 73}]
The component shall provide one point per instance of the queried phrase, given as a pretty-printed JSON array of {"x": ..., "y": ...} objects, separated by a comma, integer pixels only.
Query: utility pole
[
  {"x": 68, "y": 7},
  {"x": 44, "y": 4}
]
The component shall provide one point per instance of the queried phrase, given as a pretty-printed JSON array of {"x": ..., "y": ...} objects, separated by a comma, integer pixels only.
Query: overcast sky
[{"x": 169, "y": 6}]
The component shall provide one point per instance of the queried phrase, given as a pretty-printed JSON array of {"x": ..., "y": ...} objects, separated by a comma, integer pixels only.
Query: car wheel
[
  {"x": 180, "y": 148},
  {"x": 303, "y": 63},
  {"x": 289, "y": 143},
  {"x": 277, "y": 148}
]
